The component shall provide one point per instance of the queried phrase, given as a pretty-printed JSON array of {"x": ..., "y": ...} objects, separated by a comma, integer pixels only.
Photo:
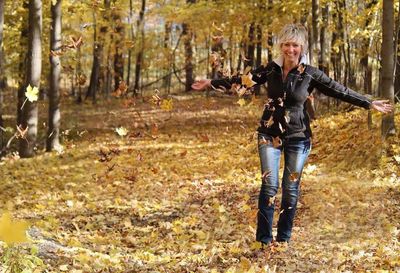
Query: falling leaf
[
  {"x": 22, "y": 132},
  {"x": 81, "y": 79},
  {"x": 121, "y": 90},
  {"x": 122, "y": 131},
  {"x": 154, "y": 129},
  {"x": 294, "y": 176},
  {"x": 247, "y": 70},
  {"x": 264, "y": 141},
  {"x": 301, "y": 68},
  {"x": 75, "y": 43},
  {"x": 167, "y": 105},
  {"x": 247, "y": 80},
  {"x": 12, "y": 231},
  {"x": 241, "y": 102},
  {"x": 271, "y": 201},
  {"x": 242, "y": 91},
  {"x": 56, "y": 53},
  {"x": 276, "y": 142},
  {"x": 266, "y": 174},
  {"x": 32, "y": 93},
  {"x": 139, "y": 156},
  {"x": 270, "y": 122}
]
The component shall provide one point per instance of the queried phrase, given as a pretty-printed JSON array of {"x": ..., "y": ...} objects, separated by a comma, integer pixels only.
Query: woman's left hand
[{"x": 383, "y": 106}]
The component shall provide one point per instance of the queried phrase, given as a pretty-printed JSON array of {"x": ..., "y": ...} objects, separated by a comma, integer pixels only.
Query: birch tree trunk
[
  {"x": 53, "y": 134},
  {"x": 34, "y": 68}
]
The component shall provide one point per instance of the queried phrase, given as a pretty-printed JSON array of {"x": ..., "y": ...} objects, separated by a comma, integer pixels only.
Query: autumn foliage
[{"x": 173, "y": 187}]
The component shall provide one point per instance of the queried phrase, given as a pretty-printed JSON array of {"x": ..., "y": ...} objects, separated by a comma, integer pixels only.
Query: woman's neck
[{"x": 288, "y": 65}]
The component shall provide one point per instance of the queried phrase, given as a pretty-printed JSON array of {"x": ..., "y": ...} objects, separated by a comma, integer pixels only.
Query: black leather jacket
[{"x": 284, "y": 114}]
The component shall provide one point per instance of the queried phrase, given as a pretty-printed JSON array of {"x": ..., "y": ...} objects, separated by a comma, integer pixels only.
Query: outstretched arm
[
  {"x": 334, "y": 89},
  {"x": 255, "y": 77}
]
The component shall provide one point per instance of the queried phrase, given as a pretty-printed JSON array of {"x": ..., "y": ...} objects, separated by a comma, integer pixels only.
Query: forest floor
[{"x": 179, "y": 192}]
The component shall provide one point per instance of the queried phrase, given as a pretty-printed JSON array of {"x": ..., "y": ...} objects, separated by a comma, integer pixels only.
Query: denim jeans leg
[
  {"x": 270, "y": 158},
  {"x": 296, "y": 153}
]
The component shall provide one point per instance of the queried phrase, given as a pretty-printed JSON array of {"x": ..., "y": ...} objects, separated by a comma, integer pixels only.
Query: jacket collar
[{"x": 303, "y": 60}]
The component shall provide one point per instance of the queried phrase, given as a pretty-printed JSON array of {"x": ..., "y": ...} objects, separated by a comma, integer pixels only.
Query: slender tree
[
  {"x": 250, "y": 46},
  {"x": 118, "y": 56},
  {"x": 365, "y": 49},
  {"x": 34, "y": 68},
  {"x": 387, "y": 87},
  {"x": 1, "y": 71},
  {"x": 187, "y": 34},
  {"x": 132, "y": 36},
  {"x": 314, "y": 31},
  {"x": 397, "y": 59},
  {"x": 139, "y": 56},
  {"x": 322, "y": 64},
  {"x": 258, "y": 54},
  {"x": 167, "y": 51},
  {"x": 53, "y": 134},
  {"x": 97, "y": 54}
]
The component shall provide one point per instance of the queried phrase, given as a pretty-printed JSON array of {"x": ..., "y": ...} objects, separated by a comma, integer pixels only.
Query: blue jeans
[{"x": 295, "y": 152}]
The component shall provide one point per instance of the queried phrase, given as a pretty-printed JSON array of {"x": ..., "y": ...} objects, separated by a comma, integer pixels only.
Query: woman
[{"x": 285, "y": 125}]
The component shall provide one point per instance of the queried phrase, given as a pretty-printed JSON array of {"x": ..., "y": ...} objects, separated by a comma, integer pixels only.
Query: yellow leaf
[
  {"x": 122, "y": 131},
  {"x": 12, "y": 231},
  {"x": 32, "y": 94},
  {"x": 167, "y": 105},
  {"x": 247, "y": 80},
  {"x": 241, "y": 102}
]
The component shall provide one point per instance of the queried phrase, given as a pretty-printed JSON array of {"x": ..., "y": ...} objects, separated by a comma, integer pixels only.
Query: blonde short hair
[{"x": 294, "y": 33}]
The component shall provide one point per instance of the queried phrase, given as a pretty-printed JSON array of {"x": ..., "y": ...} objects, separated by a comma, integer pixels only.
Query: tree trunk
[
  {"x": 258, "y": 55},
  {"x": 218, "y": 50},
  {"x": 118, "y": 57},
  {"x": 322, "y": 36},
  {"x": 314, "y": 32},
  {"x": 250, "y": 47},
  {"x": 1, "y": 72},
  {"x": 365, "y": 51},
  {"x": 22, "y": 63},
  {"x": 97, "y": 54},
  {"x": 139, "y": 56},
  {"x": 167, "y": 71},
  {"x": 53, "y": 134},
  {"x": 341, "y": 7},
  {"x": 79, "y": 74},
  {"x": 130, "y": 19},
  {"x": 270, "y": 43},
  {"x": 34, "y": 67},
  {"x": 387, "y": 88},
  {"x": 397, "y": 60}
]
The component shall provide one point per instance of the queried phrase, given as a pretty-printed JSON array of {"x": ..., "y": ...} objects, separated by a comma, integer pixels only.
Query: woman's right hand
[{"x": 201, "y": 84}]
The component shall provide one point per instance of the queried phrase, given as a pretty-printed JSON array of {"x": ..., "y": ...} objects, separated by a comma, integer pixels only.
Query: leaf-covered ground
[{"x": 179, "y": 192}]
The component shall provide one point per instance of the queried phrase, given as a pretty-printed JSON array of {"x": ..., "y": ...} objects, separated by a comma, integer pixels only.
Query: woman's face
[{"x": 291, "y": 51}]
